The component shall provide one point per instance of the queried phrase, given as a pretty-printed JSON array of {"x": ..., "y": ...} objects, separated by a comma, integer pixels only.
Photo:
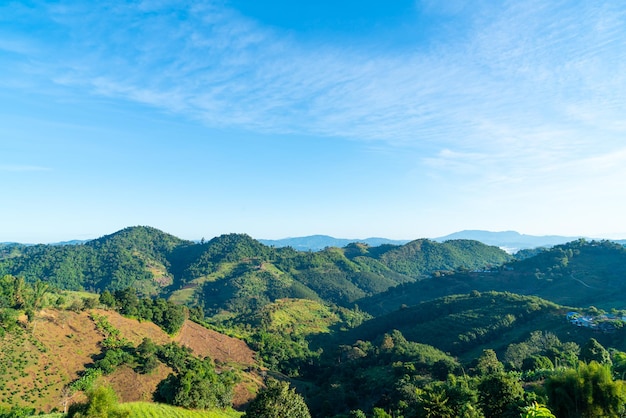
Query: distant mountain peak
[
  {"x": 510, "y": 240},
  {"x": 319, "y": 242}
]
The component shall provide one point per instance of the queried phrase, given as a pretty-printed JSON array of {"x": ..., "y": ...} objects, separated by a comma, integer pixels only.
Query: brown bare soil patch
[
  {"x": 52, "y": 350},
  {"x": 131, "y": 386},
  {"x": 133, "y": 330},
  {"x": 40, "y": 360},
  {"x": 222, "y": 348},
  {"x": 246, "y": 390},
  {"x": 71, "y": 340}
]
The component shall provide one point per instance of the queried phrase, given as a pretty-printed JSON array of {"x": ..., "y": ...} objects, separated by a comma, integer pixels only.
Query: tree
[
  {"x": 17, "y": 412},
  {"x": 537, "y": 411},
  {"x": 277, "y": 400},
  {"x": 101, "y": 403},
  {"x": 499, "y": 395},
  {"x": 107, "y": 299},
  {"x": 594, "y": 351},
  {"x": 19, "y": 296},
  {"x": 197, "y": 386},
  {"x": 39, "y": 291},
  {"x": 537, "y": 363},
  {"x": 453, "y": 398},
  {"x": 585, "y": 392},
  {"x": 488, "y": 363},
  {"x": 434, "y": 404},
  {"x": 145, "y": 354}
]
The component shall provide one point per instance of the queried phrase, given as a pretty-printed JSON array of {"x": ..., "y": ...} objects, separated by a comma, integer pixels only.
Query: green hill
[
  {"x": 235, "y": 273},
  {"x": 579, "y": 273},
  {"x": 459, "y": 324},
  {"x": 136, "y": 256},
  {"x": 422, "y": 257}
]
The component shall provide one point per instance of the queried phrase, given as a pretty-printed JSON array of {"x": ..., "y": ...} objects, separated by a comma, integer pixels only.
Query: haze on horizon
[{"x": 351, "y": 119}]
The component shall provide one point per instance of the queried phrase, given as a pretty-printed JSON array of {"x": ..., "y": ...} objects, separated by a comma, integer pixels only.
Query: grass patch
[
  {"x": 155, "y": 410},
  {"x": 301, "y": 316}
]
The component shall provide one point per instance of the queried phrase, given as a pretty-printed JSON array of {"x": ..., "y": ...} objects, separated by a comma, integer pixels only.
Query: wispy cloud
[{"x": 532, "y": 83}]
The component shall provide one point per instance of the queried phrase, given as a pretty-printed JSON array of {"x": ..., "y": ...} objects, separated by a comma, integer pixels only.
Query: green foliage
[
  {"x": 281, "y": 352},
  {"x": 422, "y": 257},
  {"x": 538, "y": 349},
  {"x": 488, "y": 363},
  {"x": 500, "y": 395},
  {"x": 16, "y": 412},
  {"x": 453, "y": 398},
  {"x": 578, "y": 273},
  {"x": 156, "y": 410},
  {"x": 148, "y": 260},
  {"x": 195, "y": 383},
  {"x": 146, "y": 356},
  {"x": 101, "y": 403},
  {"x": 8, "y": 320},
  {"x": 167, "y": 315},
  {"x": 586, "y": 391},
  {"x": 537, "y": 363},
  {"x": 383, "y": 372},
  {"x": 277, "y": 400},
  {"x": 594, "y": 351},
  {"x": 537, "y": 411},
  {"x": 126, "y": 258},
  {"x": 86, "y": 380},
  {"x": 16, "y": 295},
  {"x": 461, "y": 323},
  {"x": 380, "y": 413}
]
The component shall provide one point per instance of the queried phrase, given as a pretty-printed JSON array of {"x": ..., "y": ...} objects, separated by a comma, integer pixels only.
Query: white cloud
[{"x": 533, "y": 84}]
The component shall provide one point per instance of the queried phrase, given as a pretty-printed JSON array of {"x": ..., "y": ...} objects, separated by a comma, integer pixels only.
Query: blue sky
[{"x": 401, "y": 119}]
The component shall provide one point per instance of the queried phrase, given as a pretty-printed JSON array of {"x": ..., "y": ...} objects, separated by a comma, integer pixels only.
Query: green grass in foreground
[
  {"x": 154, "y": 410},
  {"x": 54, "y": 415}
]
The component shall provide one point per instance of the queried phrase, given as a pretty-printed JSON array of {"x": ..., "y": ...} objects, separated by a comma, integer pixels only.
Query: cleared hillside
[{"x": 38, "y": 362}]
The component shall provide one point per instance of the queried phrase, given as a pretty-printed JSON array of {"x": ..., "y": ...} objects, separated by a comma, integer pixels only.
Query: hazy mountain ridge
[
  {"x": 319, "y": 242},
  {"x": 510, "y": 240}
]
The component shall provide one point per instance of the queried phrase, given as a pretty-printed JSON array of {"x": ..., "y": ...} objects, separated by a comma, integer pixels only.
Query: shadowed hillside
[{"x": 579, "y": 273}]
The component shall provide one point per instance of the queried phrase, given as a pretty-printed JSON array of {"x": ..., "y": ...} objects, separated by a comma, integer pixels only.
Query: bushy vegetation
[
  {"x": 101, "y": 403},
  {"x": 195, "y": 384},
  {"x": 167, "y": 315},
  {"x": 277, "y": 400}
]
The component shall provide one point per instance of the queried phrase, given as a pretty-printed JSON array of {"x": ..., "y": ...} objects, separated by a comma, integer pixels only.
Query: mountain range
[
  {"x": 510, "y": 241},
  {"x": 319, "y": 242}
]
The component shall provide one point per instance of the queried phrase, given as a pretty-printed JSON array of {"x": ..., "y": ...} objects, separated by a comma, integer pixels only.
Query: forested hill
[
  {"x": 233, "y": 269},
  {"x": 135, "y": 256},
  {"x": 459, "y": 324},
  {"x": 579, "y": 273}
]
